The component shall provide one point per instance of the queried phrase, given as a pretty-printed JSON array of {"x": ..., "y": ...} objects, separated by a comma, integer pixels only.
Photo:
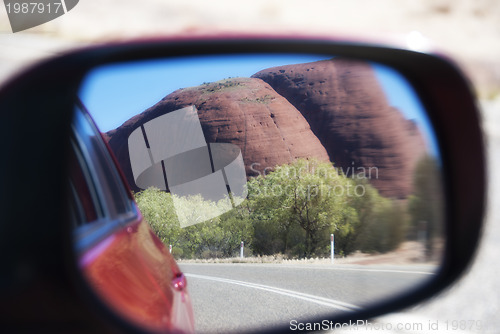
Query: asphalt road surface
[{"x": 235, "y": 297}]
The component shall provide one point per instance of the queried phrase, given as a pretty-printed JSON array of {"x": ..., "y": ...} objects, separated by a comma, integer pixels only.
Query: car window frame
[{"x": 101, "y": 175}]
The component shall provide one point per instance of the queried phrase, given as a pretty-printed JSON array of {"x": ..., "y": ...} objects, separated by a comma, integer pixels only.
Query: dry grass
[{"x": 410, "y": 252}]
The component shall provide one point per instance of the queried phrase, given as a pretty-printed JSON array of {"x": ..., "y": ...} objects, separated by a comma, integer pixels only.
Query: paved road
[{"x": 231, "y": 297}]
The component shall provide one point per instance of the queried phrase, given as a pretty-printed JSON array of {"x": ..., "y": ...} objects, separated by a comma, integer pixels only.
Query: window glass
[
  {"x": 83, "y": 206},
  {"x": 96, "y": 176}
]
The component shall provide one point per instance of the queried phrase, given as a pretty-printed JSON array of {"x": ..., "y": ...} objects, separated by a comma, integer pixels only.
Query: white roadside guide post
[
  {"x": 170, "y": 249},
  {"x": 332, "y": 244},
  {"x": 241, "y": 251}
]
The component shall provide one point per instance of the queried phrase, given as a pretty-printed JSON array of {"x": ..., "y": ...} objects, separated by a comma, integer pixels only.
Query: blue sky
[{"x": 115, "y": 93}]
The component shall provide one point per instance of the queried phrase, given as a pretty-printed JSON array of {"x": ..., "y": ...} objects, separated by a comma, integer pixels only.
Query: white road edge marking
[
  {"x": 370, "y": 270},
  {"x": 335, "y": 268},
  {"x": 299, "y": 295}
]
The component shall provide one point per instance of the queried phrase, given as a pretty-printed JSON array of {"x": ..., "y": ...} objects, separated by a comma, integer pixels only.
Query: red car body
[{"x": 124, "y": 262}]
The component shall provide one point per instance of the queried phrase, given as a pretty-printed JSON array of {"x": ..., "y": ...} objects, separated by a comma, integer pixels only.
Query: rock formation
[
  {"x": 346, "y": 108},
  {"x": 332, "y": 110},
  {"x": 242, "y": 111}
]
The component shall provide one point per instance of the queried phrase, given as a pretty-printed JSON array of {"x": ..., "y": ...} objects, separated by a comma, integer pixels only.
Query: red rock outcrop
[
  {"x": 334, "y": 109},
  {"x": 243, "y": 111},
  {"x": 346, "y": 108}
]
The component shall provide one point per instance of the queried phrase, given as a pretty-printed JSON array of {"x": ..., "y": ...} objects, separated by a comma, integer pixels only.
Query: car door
[{"x": 122, "y": 258}]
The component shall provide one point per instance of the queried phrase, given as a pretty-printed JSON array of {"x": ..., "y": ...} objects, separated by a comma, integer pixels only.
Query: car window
[
  {"x": 100, "y": 202},
  {"x": 83, "y": 196},
  {"x": 110, "y": 190}
]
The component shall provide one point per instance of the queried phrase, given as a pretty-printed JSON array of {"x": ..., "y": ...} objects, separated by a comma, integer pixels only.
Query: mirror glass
[{"x": 280, "y": 186}]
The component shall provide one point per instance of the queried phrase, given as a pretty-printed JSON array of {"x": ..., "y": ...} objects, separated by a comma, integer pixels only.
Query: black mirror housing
[{"x": 37, "y": 108}]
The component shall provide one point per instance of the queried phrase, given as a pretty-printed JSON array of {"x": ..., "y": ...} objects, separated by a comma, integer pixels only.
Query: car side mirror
[{"x": 331, "y": 181}]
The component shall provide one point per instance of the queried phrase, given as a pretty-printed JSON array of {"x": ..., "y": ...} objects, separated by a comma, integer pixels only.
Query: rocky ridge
[{"x": 331, "y": 110}]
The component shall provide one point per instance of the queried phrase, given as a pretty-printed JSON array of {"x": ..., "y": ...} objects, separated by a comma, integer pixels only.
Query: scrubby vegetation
[
  {"x": 212, "y": 87},
  {"x": 291, "y": 211},
  {"x": 266, "y": 99},
  {"x": 426, "y": 205}
]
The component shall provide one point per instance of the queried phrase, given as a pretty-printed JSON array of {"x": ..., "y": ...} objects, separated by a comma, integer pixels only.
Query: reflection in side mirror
[{"x": 254, "y": 170}]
